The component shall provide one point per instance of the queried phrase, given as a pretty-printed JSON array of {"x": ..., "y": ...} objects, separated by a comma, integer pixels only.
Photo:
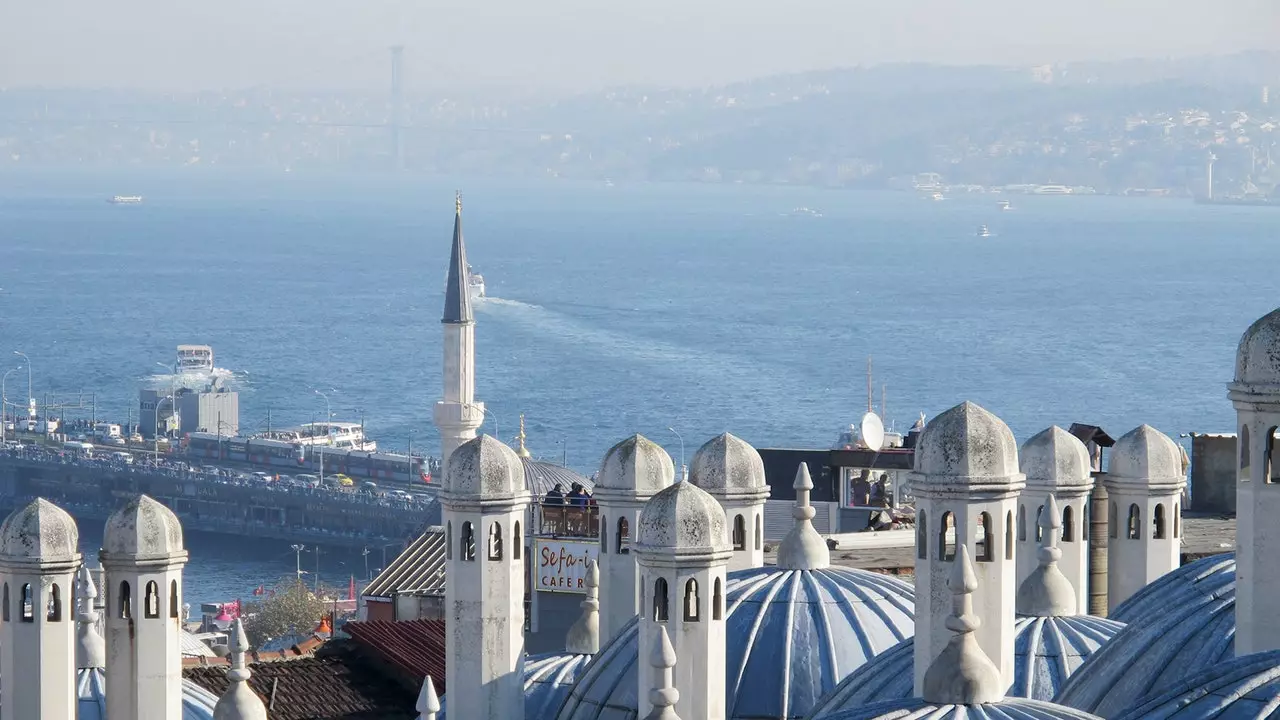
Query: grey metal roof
[
  {"x": 420, "y": 568},
  {"x": 547, "y": 679},
  {"x": 540, "y": 477},
  {"x": 1182, "y": 625},
  {"x": 792, "y": 635},
  {"x": 1247, "y": 687},
  {"x": 91, "y": 697},
  {"x": 1047, "y": 651},
  {"x": 917, "y": 709},
  {"x": 193, "y": 646},
  {"x": 457, "y": 296}
]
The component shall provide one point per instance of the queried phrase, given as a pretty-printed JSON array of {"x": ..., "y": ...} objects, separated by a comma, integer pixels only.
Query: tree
[{"x": 290, "y": 608}]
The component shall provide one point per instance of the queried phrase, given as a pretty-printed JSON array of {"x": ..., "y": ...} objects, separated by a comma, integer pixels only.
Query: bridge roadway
[{"x": 93, "y": 489}]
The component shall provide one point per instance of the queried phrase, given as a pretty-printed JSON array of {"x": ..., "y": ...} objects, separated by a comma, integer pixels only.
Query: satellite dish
[{"x": 872, "y": 430}]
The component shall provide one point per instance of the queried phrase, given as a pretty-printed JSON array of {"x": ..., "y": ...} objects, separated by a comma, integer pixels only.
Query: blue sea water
[{"x": 628, "y": 309}]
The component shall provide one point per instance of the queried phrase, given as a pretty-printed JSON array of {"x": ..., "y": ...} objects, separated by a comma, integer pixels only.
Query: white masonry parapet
[
  {"x": 91, "y": 647},
  {"x": 633, "y": 471},
  {"x": 143, "y": 556},
  {"x": 457, "y": 415},
  {"x": 1255, "y": 393},
  {"x": 803, "y": 548},
  {"x": 1046, "y": 592},
  {"x": 483, "y": 502},
  {"x": 428, "y": 703},
  {"x": 731, "y": 470},
  {"x": 1144, "y": 483},
  {"x": 584, "y": 635},
  {"x": 663, "y": 696},
  {"x": 966, "y": 482},
  {"x": 962, "y": 674},
  {"x": 39, "y": 555},
  {"x": 1057, "y": 463},
  {"x": 239, "y": 702}
]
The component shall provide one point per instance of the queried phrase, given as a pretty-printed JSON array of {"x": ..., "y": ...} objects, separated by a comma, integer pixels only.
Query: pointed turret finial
[
  {"x": 1046, "y": 592},
  {"x": 457, "y": 201},
  {"x": 521, "y": 450},
  {"x": 428, "y": 702},
  {"x": 962, "y": 674},
  {"x": 663, "y": 698},
  {"x": 239, "y": 702},
  {"x": 584, "y": 636},
  {"x": 803, "y": 548},
  {"x": 457, "y": 291},
  {"x": 91, "y": 649}
]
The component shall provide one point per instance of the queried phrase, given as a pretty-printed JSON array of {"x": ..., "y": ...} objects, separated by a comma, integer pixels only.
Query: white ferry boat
[
  {"x": 475, "y": 284},
  {"x": 125, "y": 200},
  {"x": 340, "y": 435},
  {"x": 193, "y": 359},
  {"x": 1005, "y": 205},
  {"x": 983, "y": 231}
]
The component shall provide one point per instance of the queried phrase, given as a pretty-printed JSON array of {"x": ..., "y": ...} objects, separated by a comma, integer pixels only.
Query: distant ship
[
  {"x": 983, "y": 231},
  {"x": 1005, "y": 205},
  {"x": 125, "y": 200},
  {"x": 806, "y": 211},
  {"x": 475, "y": 284},
  {"x": 194, "y": 359}
]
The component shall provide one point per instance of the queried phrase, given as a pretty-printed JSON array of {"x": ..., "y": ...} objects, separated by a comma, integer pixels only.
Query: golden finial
[
  {"x": 457, "y": 201},
  {"x": 522, "y": 451}
]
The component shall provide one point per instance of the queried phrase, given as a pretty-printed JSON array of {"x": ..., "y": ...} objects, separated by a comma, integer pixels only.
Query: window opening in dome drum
[
  {"x": 151, "y": 601},
  {"x": 1022, "y": 523},
  {"x": 1008, "y": 536},
  {"x": 517, "y": 542},
  {"x": 53, "y": 613},
  {"x": 448, "y": 541},
  {"x": 739, "y": 533},
  {"x": 604, "y": 535},
  {"x": 28, "y": 609},
  {"x": 986, "y": 546},
  {"x": 1177, "y": 515},
  {"x": 495, "y": 541},
  {"x": 717, "y": 602},
  {"x": 1084, "y": 523},
  {"x": 1157, "y": 522},
  {"x": 1271, "y": 446},
  {"x": 660, "y": 600},
  {"x": 691, "y": 601},
  {"x": 467, "y": 550},
  {"x": 173, "y": 598},
  {"x": 922, "y": 536},
  {"x": 1113, "y": 521},
  {"x": 624, "y": 536},
  {"x": 6, "y": 602},
  {"x": 1068, "y": 524},
  {"x": 759, "y": 530},
  {"x": 1244, "y": 453},
  {"x": 947, "y": 537},
  {"x": 1135, "y": 522}
]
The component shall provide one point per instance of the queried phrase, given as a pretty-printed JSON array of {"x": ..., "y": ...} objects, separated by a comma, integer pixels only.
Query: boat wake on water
[{"x": 491, "y": 301}]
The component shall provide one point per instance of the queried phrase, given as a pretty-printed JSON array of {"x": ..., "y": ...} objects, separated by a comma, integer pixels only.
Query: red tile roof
[{"x": 416, "y": 647}]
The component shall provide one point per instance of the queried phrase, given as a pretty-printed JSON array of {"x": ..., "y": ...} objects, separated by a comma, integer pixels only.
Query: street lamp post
[
  {"x": 496, "y": 432},
  {"x": 4, "y": 400},
  {"x": 683, "y": 470},
  {"x": 24, "y": 357}
]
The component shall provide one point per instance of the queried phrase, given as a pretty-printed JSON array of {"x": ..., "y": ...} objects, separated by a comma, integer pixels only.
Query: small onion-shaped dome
[
  {"x": 682, "y": 517},
  {"x": 1258, "y": 355},
  {"x": 637, "y": 466},
  {"x": 1055, "y": 458},
  {"x": 487, "y": 469},
  {"x": 1186, "y": 626},
  {"x": 40, "y": 531},
  {"x": 1247, "y": 687},
  {"x": 726, "y": 465},
  {"x": 790, "y": 637},
  {"x": 1047, "y": 650},
  {"x": 1144, "y": 453},
  {"x": 917, "y": 709},
  {"x": 969, "y": 444},
  {"x": 547, "y": 680},
  {"x": 91, "y": 697},
  {"x": 540, "y": 477},
  {"x": 143, "y": 528}
]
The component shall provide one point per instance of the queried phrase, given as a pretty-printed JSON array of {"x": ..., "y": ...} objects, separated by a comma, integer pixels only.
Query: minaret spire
[
  {"x": 428, "y": 702},
  {"x": 457, "y": 297},
  {"x": 457, "y": 415},
  {"x": 521, "y": 450}
]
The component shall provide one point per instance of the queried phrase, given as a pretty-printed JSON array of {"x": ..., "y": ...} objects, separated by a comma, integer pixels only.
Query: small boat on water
[
  {"x": 806, "y": 211},
  {"x": 125, "y": 199},
  {"x": 937, "y": 196},
  {"x": 983, "y": 231},
  {"x": 194, "y": 359},
  {"x": 1005, "y": 205}
]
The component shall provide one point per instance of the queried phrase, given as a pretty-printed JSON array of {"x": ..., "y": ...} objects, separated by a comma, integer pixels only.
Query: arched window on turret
[
  {"x": 1177, "y": 515},
  {"x": 717, "y": 602},
  {"x": 947, "y": 537},
  {"x": 1245, "y": 459},
  {"x": 1022, "y": 523},
  {"x": 1084, "y": 521},
  {"x": 660, "y": 600},
  {"x": 1008, "y": 536},
  {"x": 448, "y": 541},
  {"x": 739, "y": 533},
  {"x": 604, "y": 534},
  {"x": 692, "y": 609},
  {"x": 1039, "y": 532},
  {"x": 6, "y": 602},
  {"x": 1113, "y": 521},
  {"x": 986, "y": 547},
  {"x": 28, "y": 606},
  {"x": 125, "y": 602},
  {"x": 759, "y": 531},
  {"x": 173, "y": 598},
  {"x": 1157, "y": 522},
  {"x": 1068, "y": 524},
  {"x": 922, "y": 536},
  {"x": 517, "y": 542},
  {"x": 1270, "y": 446},
  {"x": 624, "y": 536},
  {"x": 495, "y": 541},
  {"x": 467, "y": 543},
  {"x": 644, "y": 583},
  {"x": 53, "y": 613},
  {"x": 1135, "y": 522},
  {"x": 151, "y": 601}
]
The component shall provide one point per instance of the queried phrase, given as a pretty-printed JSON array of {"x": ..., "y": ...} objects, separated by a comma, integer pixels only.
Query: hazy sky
[{"x": 581, "y": 44}]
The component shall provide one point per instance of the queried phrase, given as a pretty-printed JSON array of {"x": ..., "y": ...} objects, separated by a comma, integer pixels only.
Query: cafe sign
[{"x": 561, "y": 565}]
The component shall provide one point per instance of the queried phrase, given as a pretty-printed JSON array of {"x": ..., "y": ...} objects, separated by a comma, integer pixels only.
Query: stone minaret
[
  {"x": 239, "y": 702},
  {"x": 1056, "y": 463},
  {"x": 483, "y": 502},
  {"x": 632, "y": 472},
  {"x": 962, "y": 674},
  {"x": 1144, "y": 483},
  {"x": 39, "y": 554},
  {"x": 1255, "y": 392},
  {"x": 683, "y": 550},
  {"x": 732, "y": 472},
  {"x": 966, "y": 482},
  {"x": 458, "y": 415},
  {"x": 663, "y": 696},
  {"x": 1046, "y": 591},
  {"x": 143, "y": 556}
]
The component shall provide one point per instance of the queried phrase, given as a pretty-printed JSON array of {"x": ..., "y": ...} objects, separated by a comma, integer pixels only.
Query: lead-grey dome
[
  {"x": 967, "y": 444},
  {"x": 40, "y": 531},
  {"x": 726, "y": 465},
  {"x": 485, "y": 468},
  {"x": 637, "y": 466},
  {"x": 547, "y": 680},
  {"x": 1247, "y": 687},
  {"x": 1146, "y": 454},
  {"x": 1258, "y": 355},
  {"x": 143, "y": 528},
  {"x": 1180, "y": 625},
  {"x": 917, "y": 709},
  {"x": 91, "y": 697},
  {"x": 1055, "y": 458},
  {"x": 541, "y": 477},
  {"x": 791, "y": 636},
  {"x": 685, "y": 517}
]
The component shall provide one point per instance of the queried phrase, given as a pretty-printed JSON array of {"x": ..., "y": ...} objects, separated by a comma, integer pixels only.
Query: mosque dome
[
  {"x": 540, "y": 477},
  {"x": 40, "y": 531},
  {"x": 547, "y": 680},
  {"x": 1247, "y": 687},
  {"x": 727, "y": 465},
  {"x": 486, "y": 468},
  {"x": 791, "y": 636},
  {"x": 1055, "y": 458},
  {"x": 1146, "y": 453},
  {"x": 91, "y": 694},
  {"x": 682, "y": 517},
  {"x": 1258, "y": 355},
  {"x": 917, "y": 709},
  {"x": 1179, "y": 626},
  {"x": 636, "y": 465},
  {"x": 969, "y": 443},
  {"x": 143, "y": 527}
]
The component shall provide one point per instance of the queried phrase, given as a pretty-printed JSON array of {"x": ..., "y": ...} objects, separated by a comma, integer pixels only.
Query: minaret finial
[
  {"x": 962, "y": 674},
  {"x": 239, "y": 702},
  {"x": 428, "y": 702},
  {"x": 1047, "y": 592},
  {"x": 521, "y": 450},
  {"x": 457, "y": 291},
  {"x": 584, "y": 636},
  {"x": 457, "y": 201},
  {"x": 91, "y": 649},
  {"x": 803, "y": 548},
  {"x": 664, "y": 697}
]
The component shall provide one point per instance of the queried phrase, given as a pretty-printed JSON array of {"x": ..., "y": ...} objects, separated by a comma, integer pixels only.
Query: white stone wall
[
  {"x": 144, "y": 654},
  {"x": 1133, "y": 563},
  {"x": 1075, "y": 549},
  {"x": 699, "y": 643},
  {"x": 751, "y": 555},
  {"x": 458, "y": 415},
  {"x": 37, "y": 656},
  {"x": 1257, "y": 529},
  {"x": 619, "y": 572}
]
